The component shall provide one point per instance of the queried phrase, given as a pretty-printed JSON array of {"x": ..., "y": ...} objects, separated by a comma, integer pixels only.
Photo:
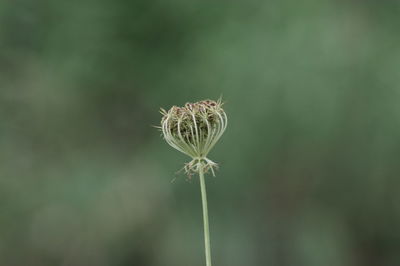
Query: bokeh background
[{"x": 309, "y": 165}]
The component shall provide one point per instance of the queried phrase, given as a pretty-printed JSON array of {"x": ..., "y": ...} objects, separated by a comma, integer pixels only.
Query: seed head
[{"x": 194, "y": 129}]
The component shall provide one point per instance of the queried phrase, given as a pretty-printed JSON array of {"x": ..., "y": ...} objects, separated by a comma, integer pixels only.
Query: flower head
[{"x": 194, "y": 129}]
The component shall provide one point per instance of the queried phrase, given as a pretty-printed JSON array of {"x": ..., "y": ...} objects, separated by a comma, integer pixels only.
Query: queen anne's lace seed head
[{"x": 194, "y": 129}]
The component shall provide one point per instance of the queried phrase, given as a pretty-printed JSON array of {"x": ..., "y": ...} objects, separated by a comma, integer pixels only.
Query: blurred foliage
[{"x": 309, "y": 163}]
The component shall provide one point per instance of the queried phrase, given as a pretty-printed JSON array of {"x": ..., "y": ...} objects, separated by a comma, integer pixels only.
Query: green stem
[{"x": 205, "y": 217}]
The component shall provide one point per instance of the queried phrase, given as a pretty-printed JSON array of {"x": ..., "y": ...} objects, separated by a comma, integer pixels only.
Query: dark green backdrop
[{"x": 309, "y": 164}]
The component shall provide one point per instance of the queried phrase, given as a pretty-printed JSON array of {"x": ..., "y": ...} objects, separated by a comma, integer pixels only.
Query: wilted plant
[{"x": 194, "y": 129}]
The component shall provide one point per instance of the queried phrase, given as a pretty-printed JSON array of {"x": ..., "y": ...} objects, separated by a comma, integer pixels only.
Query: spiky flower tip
[{"x": 194, "y": 129}]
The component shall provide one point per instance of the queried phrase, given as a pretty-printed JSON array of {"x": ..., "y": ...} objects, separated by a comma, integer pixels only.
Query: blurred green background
[{"x": 309, "y": 164}]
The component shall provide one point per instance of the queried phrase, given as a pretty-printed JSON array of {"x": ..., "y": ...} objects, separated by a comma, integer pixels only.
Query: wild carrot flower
[{"x": 194, "y": 129}]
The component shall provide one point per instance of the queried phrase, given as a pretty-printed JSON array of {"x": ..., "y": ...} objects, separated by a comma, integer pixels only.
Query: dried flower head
[{"x": 193, "y": 130}]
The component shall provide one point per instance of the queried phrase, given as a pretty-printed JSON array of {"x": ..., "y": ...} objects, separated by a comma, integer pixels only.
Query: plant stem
[{"x": 205, "y": 217}]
